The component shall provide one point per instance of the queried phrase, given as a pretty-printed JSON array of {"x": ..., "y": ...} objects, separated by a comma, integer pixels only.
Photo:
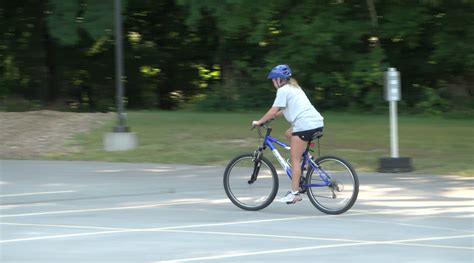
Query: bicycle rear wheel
[
  {"x": 250, "y": 184},
  {"x": 338, "y": 185}
]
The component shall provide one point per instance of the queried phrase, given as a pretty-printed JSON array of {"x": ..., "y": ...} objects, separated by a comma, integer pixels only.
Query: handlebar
[{"x": 265, "y": 125}]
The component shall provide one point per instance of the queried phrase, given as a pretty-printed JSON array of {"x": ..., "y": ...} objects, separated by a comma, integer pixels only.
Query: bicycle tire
[
  {"x": 243, "y": 173},
  {"x": 319, "y": 194}
]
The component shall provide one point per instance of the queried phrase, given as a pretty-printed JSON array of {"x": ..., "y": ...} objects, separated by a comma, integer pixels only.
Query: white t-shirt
[{"x": 297, "y": 108}]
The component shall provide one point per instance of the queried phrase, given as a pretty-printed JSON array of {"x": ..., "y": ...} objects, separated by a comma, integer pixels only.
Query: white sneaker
[{"x": 291, "y": 198}]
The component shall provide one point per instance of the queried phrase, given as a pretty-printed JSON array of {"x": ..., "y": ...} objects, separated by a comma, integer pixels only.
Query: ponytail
[{"x": 294, "y": 83}]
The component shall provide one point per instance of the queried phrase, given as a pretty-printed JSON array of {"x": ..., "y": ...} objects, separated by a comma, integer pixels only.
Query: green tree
[
  {"x": 56, "y": 51},
  {"x": 238, "y": 30},
  {"x": 28, "y": 67},
  {"x": 430, "y": 43},
  {"x": 68, "y": 19},
  {"x": 161, "y": 55}
]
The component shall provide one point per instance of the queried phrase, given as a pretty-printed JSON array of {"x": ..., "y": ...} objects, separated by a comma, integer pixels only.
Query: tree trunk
[
  {"x": 229, "y": 86},
  {"x": 51, "y": 68},
  {"x": 51, "y": 87},
  {"x": 374, "y": 40},
  {"x": 373, "y": 13}
]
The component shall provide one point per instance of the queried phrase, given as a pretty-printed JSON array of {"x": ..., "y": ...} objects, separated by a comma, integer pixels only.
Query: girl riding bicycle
[{"x": 292, "y": 102}]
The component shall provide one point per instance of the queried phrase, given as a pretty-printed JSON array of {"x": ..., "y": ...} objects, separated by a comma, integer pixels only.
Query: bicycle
[{"x": 251, "y": 180}]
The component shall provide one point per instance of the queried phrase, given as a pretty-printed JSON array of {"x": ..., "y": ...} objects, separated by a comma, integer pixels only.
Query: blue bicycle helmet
[{"x": 280, "y": 71}]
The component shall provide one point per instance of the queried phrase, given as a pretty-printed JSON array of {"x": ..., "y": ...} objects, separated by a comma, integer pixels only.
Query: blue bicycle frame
[{"x": 269, "y": 141}]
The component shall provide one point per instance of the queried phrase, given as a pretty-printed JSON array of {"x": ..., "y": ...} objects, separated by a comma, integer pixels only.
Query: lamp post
[
  {"x": 121, "y": 139},
  {"x": 119, "y": 68},
  {"x": 394, "y": 163}
]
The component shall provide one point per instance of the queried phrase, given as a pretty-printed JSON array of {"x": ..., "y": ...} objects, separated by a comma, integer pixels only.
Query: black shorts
[{"x": 307, "y": 135}]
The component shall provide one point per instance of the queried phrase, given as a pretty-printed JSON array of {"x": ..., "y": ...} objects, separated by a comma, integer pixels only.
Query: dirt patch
[{"x": 28, "y": 135}]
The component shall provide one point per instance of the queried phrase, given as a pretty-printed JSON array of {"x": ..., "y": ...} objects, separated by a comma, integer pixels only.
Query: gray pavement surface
[{"x": 120, "y": 212}]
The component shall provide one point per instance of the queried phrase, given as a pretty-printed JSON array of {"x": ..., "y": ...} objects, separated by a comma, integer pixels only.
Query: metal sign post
[
  {"x": 393, "y": 130},
  {"x": 392, "y": 95}
]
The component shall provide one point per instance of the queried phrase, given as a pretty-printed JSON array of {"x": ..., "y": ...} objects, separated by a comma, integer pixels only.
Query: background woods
[{"x": 213, "y": 54}]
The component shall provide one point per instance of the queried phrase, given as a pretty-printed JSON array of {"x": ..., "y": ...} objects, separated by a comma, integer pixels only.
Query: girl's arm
[
  {"x": 279, "y": 113},
  {"x": 272, "y": 113}
]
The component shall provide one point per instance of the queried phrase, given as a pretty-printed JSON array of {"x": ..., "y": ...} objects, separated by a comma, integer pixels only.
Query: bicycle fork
[{"x": 256, "y": 166}]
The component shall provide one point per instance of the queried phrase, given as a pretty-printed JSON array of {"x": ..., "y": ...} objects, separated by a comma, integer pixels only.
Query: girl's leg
[
  {"x": 298, "y": 146},
  {"x": 288, "y": 134}
]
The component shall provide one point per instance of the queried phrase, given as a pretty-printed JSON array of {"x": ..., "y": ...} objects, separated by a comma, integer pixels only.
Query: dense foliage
[{"x": 214, "y": 54}]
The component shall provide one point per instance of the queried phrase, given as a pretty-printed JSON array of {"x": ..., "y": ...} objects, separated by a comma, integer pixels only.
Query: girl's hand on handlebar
[{"x": 255, "y": 124}]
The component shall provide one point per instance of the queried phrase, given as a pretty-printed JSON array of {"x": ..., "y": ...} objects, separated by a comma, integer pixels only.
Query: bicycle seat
[{"x": 317, "y": 135}]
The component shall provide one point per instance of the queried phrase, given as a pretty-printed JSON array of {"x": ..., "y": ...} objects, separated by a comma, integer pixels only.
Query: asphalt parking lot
[{"x": 120, "y": 212}]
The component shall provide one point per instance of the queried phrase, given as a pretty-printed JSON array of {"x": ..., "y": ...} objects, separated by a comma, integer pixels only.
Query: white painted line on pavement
[
  {"x": 175, "y": 229},
  {"x": 165, "y": 229},
  {"x": 428, "y": 239},
  {"x": 433, "y": 246},
  {"x": 262, "y": 235},
  {"x": 275, "y": 251},
  {"x": 125, "y": 230},
  {"x": 171, "y": 203},
  {"x": 395, "y": 242},
  {"x": 404, "y": 224},
  {"x": 406, "y": 242},
  {"x": 359, "y": 243},
  {"x": 319, "y": 238},
  {"x": 38, "y": 193},
  {"x": 403, "y": 242},
  {"x": 170, "y": 228},
  {"x": 102, "y": 209},
  {"x": 64, "y": 226},
  {"x": 269, "y": 220},
  {"x": 66, "y": 236}
]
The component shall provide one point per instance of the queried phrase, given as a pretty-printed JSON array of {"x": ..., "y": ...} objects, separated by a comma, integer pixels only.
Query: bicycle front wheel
[
  {"x": 249, "y": 183},
  {"x": 333, "y": 185}
]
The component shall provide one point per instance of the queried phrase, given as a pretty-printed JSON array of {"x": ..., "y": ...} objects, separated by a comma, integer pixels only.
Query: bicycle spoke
[
  {"x": 249, "y": 186},
  {"x": 342, "y": 185}
]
